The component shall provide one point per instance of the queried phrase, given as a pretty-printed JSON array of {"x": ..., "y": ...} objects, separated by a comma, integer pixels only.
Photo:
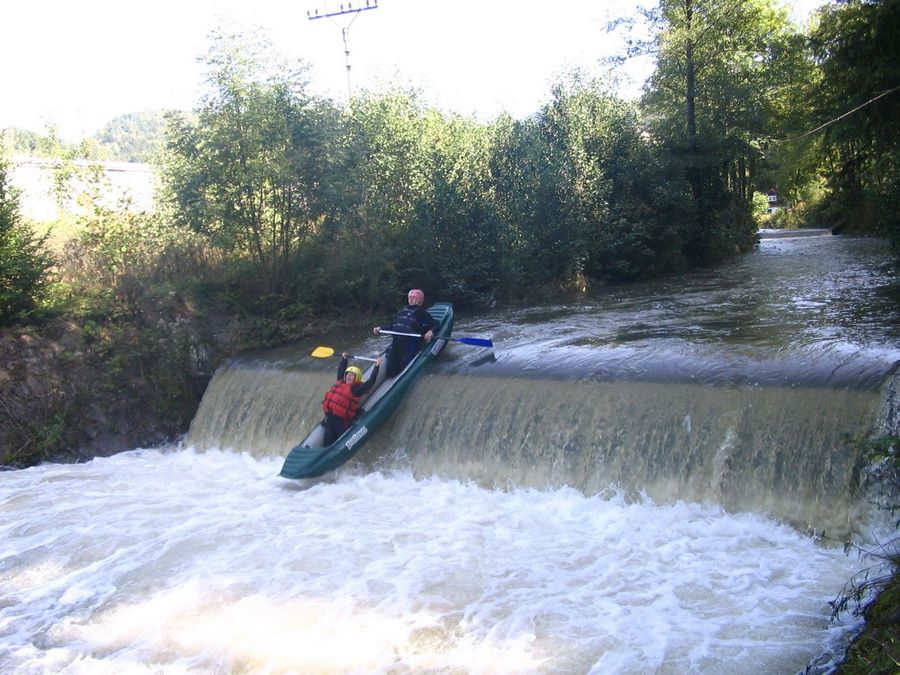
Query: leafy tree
[
  {"x": 247, "y": 171},
  {"x": 722, "y": 72},
  {"x": 24, "y": 264},
  {"x": 584, "y": 193},
  {"x": 458, "y": 247},
  {"x": 385, "y": 132},
  {"x": 521, "y": 189},
  {"x": 641, "y": 224},
  {"x": 410, "y": 203},
  {"x": 372, "y": 198},
  {"x": 20, "y": 142},
  {"x": 856, "y": 110},
  {"x": 30, "y": 143},
  {"x": 546, "y": 185},
  {"x": 786, "y": 162}
]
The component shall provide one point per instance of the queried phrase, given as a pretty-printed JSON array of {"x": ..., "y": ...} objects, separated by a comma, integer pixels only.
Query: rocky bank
[{"x": 72, "y": 390}]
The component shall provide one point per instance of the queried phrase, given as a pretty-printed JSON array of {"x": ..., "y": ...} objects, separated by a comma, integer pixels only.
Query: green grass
[{"x": 876, "y": 651}]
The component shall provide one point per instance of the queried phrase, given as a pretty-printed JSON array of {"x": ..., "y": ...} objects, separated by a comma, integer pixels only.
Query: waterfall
[
  {"x": 782, "y": 450},
  {"x": 625, "y": 484}
]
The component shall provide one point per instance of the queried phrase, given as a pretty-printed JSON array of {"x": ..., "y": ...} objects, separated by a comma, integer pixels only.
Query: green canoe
[{"x": 309, "y": 459}]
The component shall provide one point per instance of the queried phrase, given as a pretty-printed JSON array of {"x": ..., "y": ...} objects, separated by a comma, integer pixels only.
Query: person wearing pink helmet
[{"x": 413, "y": 318}]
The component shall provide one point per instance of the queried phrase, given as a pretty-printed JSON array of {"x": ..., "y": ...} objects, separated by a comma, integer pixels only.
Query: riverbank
[
  {"x": 76, "y": 388},
  {"x": 876, "y": 650}
]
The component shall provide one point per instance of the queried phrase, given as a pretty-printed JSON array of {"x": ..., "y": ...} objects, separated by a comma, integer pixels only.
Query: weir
[{"x": 782, "y": 450}]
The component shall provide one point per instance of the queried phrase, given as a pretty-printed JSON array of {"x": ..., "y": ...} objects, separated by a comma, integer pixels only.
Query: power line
[
  {"x": 350, "y": 9},
  {"x": 345, "y": 31},
  {"x": 839, "y": 118}
]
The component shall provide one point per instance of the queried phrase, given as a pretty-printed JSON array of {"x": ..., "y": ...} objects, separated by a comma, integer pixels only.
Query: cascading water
[
  {"x": 625, "y": 486},
  {"x": 742, "y": 386}
]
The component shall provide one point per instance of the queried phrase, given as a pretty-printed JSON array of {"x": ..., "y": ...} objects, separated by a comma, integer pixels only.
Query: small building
[{"x": 772, "y": 197}]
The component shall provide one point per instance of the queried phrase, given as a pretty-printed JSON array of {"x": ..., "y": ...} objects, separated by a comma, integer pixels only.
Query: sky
[{"x": 77, "y": 64}]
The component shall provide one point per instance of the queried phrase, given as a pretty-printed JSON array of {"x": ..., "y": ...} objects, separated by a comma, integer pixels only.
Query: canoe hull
[{"x": 306, "y": 460}]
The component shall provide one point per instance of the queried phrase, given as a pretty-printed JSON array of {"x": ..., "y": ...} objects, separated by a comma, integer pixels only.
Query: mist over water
[{"x": 628, "y": 485}]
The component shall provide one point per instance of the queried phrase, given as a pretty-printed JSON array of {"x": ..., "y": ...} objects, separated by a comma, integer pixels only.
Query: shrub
[{"x": 24, "y": 263}]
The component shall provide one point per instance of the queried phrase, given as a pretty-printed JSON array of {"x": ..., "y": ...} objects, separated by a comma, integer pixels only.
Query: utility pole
[{"x": 345, "y": 31}]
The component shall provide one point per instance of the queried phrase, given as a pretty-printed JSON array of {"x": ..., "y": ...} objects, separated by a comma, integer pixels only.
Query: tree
[
  {"x": 550, "y": 186},
  {"x": 24, "y": 264},
  {"x": 247, "y": 171},
  {"x": 370, "y": 178},
  {"x": 18, "y": 141},
  {"x": 457, "y": 226},
  {"x": 584, "y": 193},
  {"x": 723, "y": 68},
  {"x": 856, "y": 110}
]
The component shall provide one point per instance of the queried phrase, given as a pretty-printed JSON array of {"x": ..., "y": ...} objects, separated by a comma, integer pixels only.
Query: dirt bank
[{"x": 72, "y": 390}]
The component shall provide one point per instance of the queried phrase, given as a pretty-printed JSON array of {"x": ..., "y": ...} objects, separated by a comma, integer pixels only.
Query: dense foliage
[
  {"x": 347, "y": 207},
  {"x": 31, "y": 143},
  {"x": 724, "y": 67},
  {"x": 298, "y": 207},
  {"x": 23, "y": 261},
  {"x": 306, "y": 207},
  {"x": 856, "y": 104}
]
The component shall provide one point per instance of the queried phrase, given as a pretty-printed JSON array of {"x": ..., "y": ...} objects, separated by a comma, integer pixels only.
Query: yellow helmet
[{"x": 356, "y": 371}]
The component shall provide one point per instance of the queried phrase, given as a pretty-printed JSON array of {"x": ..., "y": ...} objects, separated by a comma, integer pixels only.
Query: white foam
[{"x": 179, "y": 561}]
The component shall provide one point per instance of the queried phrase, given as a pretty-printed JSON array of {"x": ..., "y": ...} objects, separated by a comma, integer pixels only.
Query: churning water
[
  {"x": 172, "y": 561},
  {"x": 627, "y": 486}
]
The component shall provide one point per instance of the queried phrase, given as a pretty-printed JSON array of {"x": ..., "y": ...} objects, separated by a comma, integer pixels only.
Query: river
[{"x": 653, "y": 479}]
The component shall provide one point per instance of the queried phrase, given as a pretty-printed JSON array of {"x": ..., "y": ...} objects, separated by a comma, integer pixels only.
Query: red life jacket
[{"x": 340, "y": 401}]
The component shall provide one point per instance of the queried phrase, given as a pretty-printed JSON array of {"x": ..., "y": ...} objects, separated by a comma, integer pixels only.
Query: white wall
[{"x": 34, "y": 177}]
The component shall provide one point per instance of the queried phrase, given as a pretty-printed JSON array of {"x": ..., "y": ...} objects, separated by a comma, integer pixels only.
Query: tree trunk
[{"x": 691, "y": 79}]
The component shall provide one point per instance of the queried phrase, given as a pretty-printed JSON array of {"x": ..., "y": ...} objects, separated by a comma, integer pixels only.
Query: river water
[{"x": 636, "y": 482}]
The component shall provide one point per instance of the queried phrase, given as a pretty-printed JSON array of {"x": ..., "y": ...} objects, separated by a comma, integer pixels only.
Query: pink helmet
[{"x": 416, "y": 297}]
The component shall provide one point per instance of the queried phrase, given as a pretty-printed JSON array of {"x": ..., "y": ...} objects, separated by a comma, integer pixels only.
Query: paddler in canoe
[
  {"x": 341, "y": 402},
  {"x": 413, "y": 318}
]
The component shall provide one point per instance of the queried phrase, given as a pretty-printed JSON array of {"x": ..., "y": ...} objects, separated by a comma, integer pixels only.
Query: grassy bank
[
  {"x": 876, "y": 650},
  {"x": 876, "y": 594}
]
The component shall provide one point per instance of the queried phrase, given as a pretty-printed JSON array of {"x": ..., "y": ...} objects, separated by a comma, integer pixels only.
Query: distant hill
[{"x": 135, "y": 137}]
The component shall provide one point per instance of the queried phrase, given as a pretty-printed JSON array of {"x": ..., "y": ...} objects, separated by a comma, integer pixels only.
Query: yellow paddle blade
[{"x": 322, "y": 352}]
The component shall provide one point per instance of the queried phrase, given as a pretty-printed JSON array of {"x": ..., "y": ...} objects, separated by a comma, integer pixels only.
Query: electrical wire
[{"x": 846, "y": 114}]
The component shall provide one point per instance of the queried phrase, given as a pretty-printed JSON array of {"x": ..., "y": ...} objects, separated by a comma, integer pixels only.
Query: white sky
[{"x": 79, "y": 63}]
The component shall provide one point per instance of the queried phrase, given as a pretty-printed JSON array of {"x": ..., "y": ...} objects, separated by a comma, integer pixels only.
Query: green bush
[
  {"x": 24, "y": 264},
  {"x": 119, "y": 256}
]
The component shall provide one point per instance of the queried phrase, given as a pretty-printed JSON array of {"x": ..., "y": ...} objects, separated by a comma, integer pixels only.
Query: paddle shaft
[
  {"x": 393, "y": 332},
  {"x": 477, "y": 342},
  {"x": 325, "y": 352}
]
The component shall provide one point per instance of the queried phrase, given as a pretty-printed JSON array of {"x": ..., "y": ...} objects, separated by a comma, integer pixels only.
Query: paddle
[
  {"x": 325, "y": 352},
  {"x": 475, "y": 342}
]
